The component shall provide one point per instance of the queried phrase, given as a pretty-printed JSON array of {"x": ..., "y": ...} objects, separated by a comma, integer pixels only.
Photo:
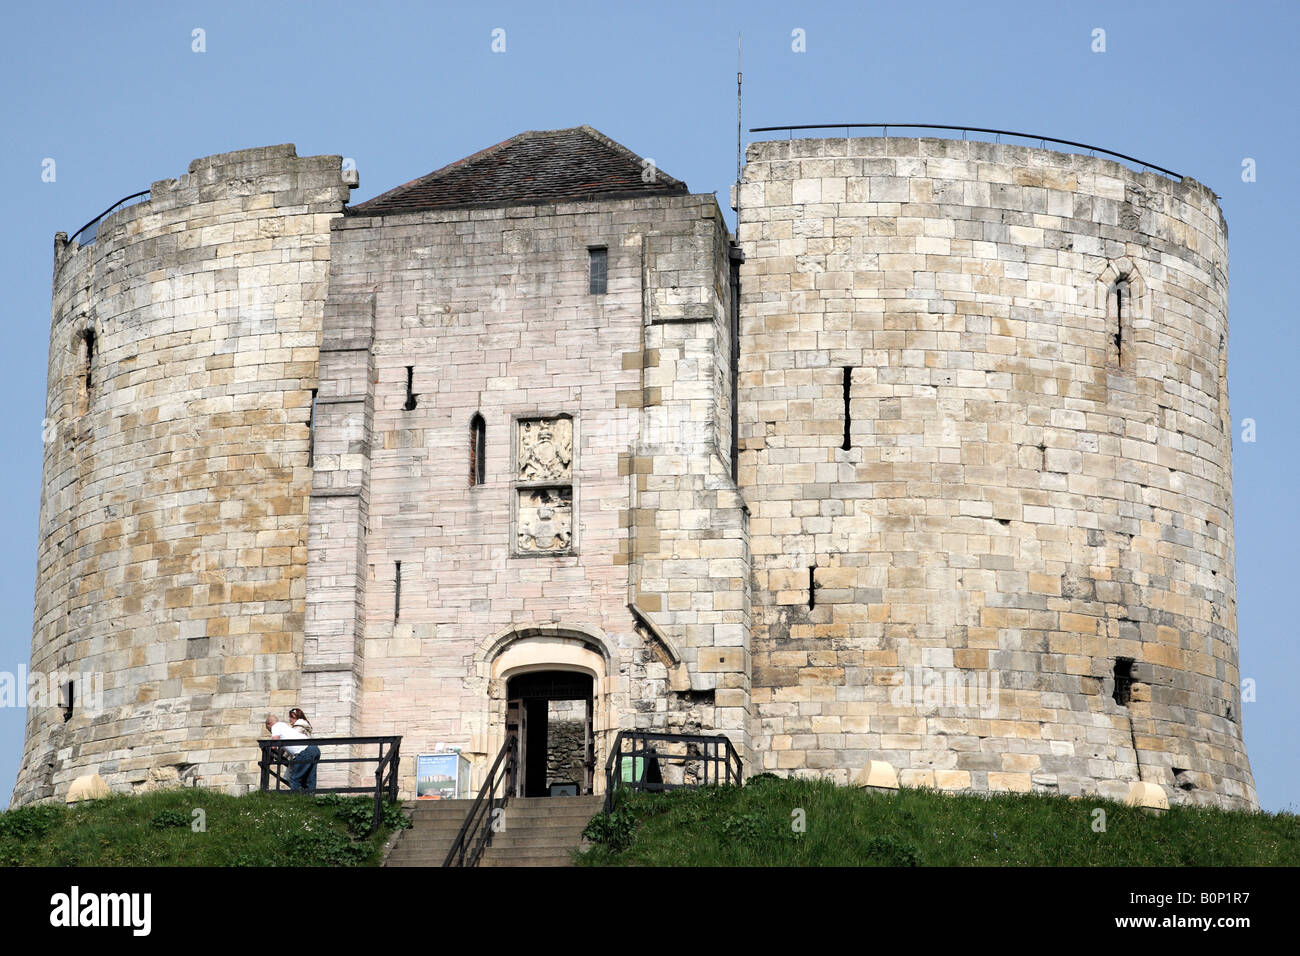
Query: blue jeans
[{"x": 302, "y": 772}]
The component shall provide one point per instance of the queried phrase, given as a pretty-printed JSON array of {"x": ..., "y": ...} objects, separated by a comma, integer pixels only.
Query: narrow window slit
[
  {"x": 812, "y": 587},
  {"x": 410, "y": 388},
  {"x": 69, "y": 699},
  {"x": 1120, "y": 292},
  {"x": 848, "y": 417},
  {"x": 477, "y": 450},
  {"x": 397, "y": 592},
  {"x": 89, "y": 337},
  {"x": 311, "y": 431}
]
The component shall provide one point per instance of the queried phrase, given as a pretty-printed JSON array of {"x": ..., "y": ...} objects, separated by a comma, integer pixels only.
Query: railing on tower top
[
  {"x": 476, "y": 832},
  {"x": 964, "y": 130},
  {"x": 638, "y": 757},
  {"x": 275, "y": 763},
  {"x": 93, "y": 225}
]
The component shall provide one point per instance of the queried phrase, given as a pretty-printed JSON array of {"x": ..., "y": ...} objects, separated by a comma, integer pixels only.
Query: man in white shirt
[{"x": 303, "y": 757}]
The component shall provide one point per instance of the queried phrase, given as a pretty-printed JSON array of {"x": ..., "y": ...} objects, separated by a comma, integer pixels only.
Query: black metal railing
[
  {"x": 475, "y": 834},
  {"x": 637, "y": 760},
  {"x": 93, "y": 225},
  {"x": 964, "y": 130},
  {"x": 275, "y": 763}
]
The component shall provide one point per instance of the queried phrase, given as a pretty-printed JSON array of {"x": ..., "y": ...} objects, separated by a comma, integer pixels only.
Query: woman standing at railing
[{"x": 302, "y": 772}]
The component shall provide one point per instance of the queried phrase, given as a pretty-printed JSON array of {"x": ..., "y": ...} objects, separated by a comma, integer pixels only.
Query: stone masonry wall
[
  {"x": 1025, "y": 497},
  {"x": 566, "y": 729},
  {"x": 491, "y": 310},
  {"x": 173, "y": 513}
]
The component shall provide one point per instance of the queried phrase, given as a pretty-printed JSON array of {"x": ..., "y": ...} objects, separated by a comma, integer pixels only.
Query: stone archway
[{"x": 553, "y": 648}]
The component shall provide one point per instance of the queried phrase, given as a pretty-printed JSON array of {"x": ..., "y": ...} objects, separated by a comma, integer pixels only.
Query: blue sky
[{"x": 116, "y": 96}]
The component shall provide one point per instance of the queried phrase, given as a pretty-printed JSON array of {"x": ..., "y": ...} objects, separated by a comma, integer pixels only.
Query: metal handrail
[
  {"x": 716, "y": 751},
  {"x": 274, "y": 762},
  {"x": 968, "y": 129},
  {"x": 475, "y": 834},
  {"x": 127, "y": 199}
]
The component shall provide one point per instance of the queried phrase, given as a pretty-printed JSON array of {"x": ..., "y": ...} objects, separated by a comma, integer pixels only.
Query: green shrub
[
  {"x": 28, "y": 822},
  {"x": 324, "y": 848},
  {"x": 887, "y": 851},
  {"x": 358, "y": 813},
  {"x": 170, "y": 818},
  {"x": 613, "y": 830},
  {"x": 744, "y": 826}
]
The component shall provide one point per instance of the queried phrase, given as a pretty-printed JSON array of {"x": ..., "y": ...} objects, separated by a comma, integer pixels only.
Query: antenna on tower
[{"x": 738, "y": 139}]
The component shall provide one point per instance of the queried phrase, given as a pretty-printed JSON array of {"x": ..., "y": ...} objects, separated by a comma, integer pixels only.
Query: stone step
[
  {"x": 421, "y": 849},
  {"x": 524, "y": 826},
  {"x": 532, "y": 861},
  {"x": 570, "y": 809},
  {"x": 555, "y": 804},
  {"x": 586, "y": 800},
  {"x": 515, "y": 825},
  {"x": 511, "y": 821},
  {"x": 511, "y": 809},
  {"x": 418, "y": 849},
  {"x": 533, "y": 840},
  {"x": 540, "y": 831},
  {"x": 524, "y": 852}
]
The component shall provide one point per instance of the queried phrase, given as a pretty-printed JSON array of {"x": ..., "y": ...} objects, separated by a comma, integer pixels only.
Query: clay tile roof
[{"x": 542, "y": 166}]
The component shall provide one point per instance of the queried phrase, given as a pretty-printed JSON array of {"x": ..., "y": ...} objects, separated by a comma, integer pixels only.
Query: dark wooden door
[
  {"x": 516, "y": 721},
  {"x": 533, "y": 755},
  {"x": 590, "y": 741}
]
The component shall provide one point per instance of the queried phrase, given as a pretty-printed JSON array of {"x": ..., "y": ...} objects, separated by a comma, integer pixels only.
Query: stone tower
[
  {"x": 170, "y": 572},
  {"x": 986, "y": 445},
  {"x": 930, "y": 465}
]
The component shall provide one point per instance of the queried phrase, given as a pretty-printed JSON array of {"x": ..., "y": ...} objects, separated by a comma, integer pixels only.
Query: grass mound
[
  {"x": 197, "y": 827},
  {"x": 777, "y": 822}
]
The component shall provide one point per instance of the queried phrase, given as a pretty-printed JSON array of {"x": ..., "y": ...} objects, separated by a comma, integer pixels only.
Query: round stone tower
[
  {"x": 985, "y": 439},
  {"x": 172, "y": 555}
]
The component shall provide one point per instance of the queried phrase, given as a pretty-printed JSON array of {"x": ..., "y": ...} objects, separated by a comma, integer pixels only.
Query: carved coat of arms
[
  {"x": 544, "y": 515},
  {"x": 545, "y": 449}
]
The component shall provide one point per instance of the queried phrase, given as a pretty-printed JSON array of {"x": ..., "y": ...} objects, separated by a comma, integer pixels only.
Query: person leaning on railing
[{"x": 302, "y": 758}]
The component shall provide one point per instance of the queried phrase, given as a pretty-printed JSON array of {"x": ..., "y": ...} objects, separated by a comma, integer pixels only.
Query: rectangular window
[
  {"x": 599, "y": 270},
  {"x": 1123, "y": 674}
]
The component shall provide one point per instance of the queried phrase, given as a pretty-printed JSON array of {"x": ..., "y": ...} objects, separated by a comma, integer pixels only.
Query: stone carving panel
[
  {"x": 545, "y": 449},
  {"x": 545, "y": 520}
]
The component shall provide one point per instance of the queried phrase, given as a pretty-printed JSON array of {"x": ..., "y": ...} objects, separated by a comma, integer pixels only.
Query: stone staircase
[{"x": 539, "y": 831}]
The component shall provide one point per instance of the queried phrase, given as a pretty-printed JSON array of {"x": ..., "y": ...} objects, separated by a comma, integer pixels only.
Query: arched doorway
[
  {"x": 577, "y": 660},
  {"x": 551, "y": 712}
]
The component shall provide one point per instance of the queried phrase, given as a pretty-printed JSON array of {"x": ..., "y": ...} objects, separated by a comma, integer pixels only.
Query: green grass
[
  {"x": 752, "y": 826},
  {"x": 159, "y": 829}
]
